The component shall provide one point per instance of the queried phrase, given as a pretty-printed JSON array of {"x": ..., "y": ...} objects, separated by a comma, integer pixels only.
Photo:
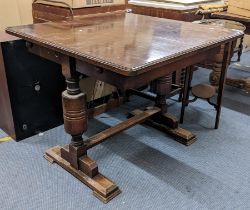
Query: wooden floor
[{"x": 4, "y": 139}]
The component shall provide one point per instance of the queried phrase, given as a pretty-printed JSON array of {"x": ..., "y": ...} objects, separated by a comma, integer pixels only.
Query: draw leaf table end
[{"x": 128, "y": 51}]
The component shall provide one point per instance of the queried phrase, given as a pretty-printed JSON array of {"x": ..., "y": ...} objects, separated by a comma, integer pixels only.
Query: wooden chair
[
  {"x": 206, "y": 91},
  {"x": 200, "y": 91}
]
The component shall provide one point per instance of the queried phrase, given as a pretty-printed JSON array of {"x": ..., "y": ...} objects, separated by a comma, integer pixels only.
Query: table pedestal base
[
  {"x": 103, "y": 188},
  {"x": 169, "y": 125},
  {"x": 181, "y": 135},
  {"x": 76, "y": 161}
]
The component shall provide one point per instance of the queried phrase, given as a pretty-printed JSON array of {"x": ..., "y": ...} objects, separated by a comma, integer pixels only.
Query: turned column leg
[
  {"x": 163, "y": 120},
  {"x": 217, "y": 66},
  {"x": 162, "y": 88},
  {"x": 75, "y": 121},
  {"x": 218, "y": 76},
  {"x": 73, "y": 157}
]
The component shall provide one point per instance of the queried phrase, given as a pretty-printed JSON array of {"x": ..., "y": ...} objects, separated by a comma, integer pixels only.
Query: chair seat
[{"x": 204, "y": 91}]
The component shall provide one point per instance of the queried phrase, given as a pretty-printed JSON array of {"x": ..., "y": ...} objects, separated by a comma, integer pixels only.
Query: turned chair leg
[{"x": 182, "y": 81}]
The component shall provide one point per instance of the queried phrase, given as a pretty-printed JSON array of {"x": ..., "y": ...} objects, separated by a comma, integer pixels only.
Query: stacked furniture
[
  {"x": 170, "y": 9},
  {"x": 206, "y": 91},
  {"x": 50, "y": 10},
  {"x": 238, "y": 10}
]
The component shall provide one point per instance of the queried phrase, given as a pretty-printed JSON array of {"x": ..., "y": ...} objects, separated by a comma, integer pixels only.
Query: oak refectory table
[{"x": 128, "y": 51}]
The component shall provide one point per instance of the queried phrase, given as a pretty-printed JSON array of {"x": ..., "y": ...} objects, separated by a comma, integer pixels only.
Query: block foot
[{"x": 103, "y": 188}]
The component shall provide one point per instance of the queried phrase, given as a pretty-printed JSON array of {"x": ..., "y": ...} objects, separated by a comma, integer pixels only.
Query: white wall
[{"x": 15, "y": 12}]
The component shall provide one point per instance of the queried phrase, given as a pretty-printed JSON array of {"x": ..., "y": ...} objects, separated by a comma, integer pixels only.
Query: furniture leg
[
  {"x": 222, "y": 60},
  {"x": 242, "y": 83},
  {"x": 186, "y": 89},
  {"x": 75, "y": 121},
  {"x": 217, "y": 66},
  {"x": 224, "y": 66},
  {"x": 240, "y": 49},
  {"x": 163, "y": 120},
  {"x": 73, "y": 157},
  {"x": 163, "y": 86},
  {"x": 190, "y": 69},
  {"x": 182, "y": 82}
]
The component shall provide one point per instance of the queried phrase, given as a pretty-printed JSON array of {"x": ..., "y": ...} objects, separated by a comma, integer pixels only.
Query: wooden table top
[
  {"x": 4, "y": 37},
  {"x": 125, "y": 43}
]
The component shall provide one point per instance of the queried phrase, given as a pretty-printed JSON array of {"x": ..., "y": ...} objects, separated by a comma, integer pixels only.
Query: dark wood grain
[
  {"x": 137, "y": 119},
  {"x": 102, "y": 187},
  {"x": 128, "y": 44},
  {"x": 124, "y": 82},
  {"x": 129, "y": 51}
]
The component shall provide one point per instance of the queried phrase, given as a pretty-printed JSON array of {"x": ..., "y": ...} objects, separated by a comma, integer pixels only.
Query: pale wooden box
[{"x": 75, "y": 4}]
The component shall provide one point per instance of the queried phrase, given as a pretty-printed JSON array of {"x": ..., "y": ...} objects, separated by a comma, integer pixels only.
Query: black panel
[{"x": 35, "y": 87}]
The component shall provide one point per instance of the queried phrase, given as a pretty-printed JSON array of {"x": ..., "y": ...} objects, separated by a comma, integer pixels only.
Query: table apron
[{"x": 127, "y": 82}]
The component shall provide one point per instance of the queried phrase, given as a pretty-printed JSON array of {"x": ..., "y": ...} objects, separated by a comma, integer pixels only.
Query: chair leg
[
  {"x": 182, "y": 82},
  {"x": 240, "y": 49},
  {"x": 189, "y": 85},
  {"x": 185, "y": 92},
  {"x": 225, "y": 63},
  {"x": 180, "y": 96}
]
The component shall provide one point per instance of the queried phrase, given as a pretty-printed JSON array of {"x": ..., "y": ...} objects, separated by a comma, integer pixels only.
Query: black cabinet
[{"x": 30, "y": 91}]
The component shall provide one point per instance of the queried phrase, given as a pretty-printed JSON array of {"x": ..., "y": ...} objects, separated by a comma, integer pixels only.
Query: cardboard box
[
  {"x": 15, "y": 12},
  {"x": 82, "y": 3},
  {"x": 95, "y": 89},
  {"x": 243, "y": 4},
  {"x": 238, "y": 11}
]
